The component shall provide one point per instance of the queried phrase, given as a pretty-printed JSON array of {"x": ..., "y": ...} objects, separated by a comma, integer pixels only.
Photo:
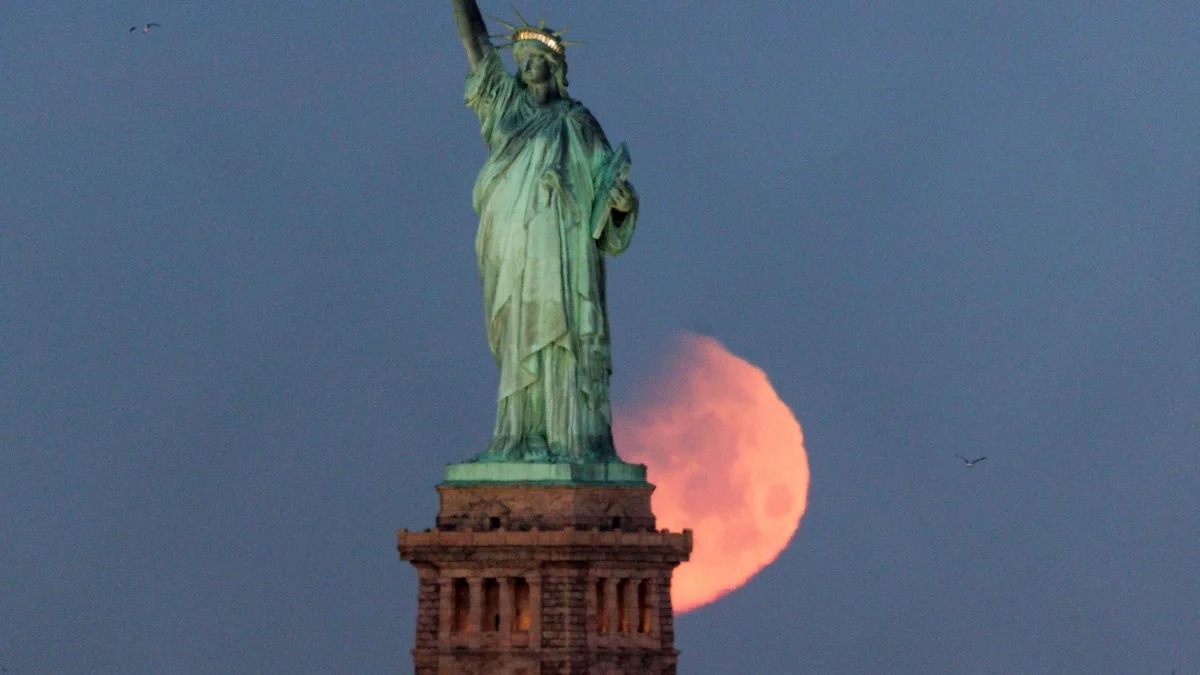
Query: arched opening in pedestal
[
  {"x": 491, "y": 605},
  {"x": 462, "y": 606},
  {"x": 623, "y": 609},
  {"x": 522, "y": 616},
  {"x": 643, "y": 606}
]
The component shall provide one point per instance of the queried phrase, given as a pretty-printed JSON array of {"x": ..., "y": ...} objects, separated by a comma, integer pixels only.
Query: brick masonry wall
[
  {"x": 427, "y": 607},
  {"x": 545, "y": 507}
]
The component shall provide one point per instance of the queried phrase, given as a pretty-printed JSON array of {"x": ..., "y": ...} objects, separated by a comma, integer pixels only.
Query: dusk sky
[{"x": 241, "y": 330}]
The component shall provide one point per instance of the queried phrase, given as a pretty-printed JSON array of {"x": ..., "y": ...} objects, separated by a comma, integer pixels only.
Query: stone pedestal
[{"x": 529, "y": 578}]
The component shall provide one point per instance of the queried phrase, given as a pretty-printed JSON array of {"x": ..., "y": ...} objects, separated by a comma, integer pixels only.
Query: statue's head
[
  {"x": 537, "y": 64},
  {"x": 540, "y": 54}
]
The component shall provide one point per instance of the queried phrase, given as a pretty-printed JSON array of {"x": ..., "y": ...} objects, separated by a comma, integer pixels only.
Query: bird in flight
[
  {"x": 970, "y": 462},
  {"x": 146, "y": 28}
]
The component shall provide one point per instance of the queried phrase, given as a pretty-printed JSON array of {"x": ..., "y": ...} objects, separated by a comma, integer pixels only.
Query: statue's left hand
[{"x": 621, "y": 197}]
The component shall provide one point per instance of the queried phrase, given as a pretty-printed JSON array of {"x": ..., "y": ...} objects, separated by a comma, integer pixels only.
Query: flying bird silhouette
[
  {"x": 971, "y": 462},
  {"x": 146, "y": 28}
]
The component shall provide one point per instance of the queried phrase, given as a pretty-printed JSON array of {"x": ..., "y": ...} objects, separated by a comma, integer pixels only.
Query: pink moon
[{"x": 727, "y": 458}]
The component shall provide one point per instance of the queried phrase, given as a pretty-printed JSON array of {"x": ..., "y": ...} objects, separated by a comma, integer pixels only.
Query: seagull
[
  {"x": 970, "y": 462},
  {"x": 146, "y": 28}
]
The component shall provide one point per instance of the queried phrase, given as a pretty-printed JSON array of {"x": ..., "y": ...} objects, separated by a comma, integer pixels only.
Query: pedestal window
[
  {"x": 491, "y": 605},
  {"x": 601, "y": 617},
  {"x": 643, "y": 606},
  {"x": 462, "y": 606},
  {"x": 522, "y": 617}
]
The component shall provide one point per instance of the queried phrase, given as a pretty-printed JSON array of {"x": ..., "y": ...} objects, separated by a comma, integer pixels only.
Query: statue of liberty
[{"x": 552, "y": 199}]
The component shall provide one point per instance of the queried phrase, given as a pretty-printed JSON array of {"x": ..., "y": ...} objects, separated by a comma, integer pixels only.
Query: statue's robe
[{"x": 544, "y": 226}]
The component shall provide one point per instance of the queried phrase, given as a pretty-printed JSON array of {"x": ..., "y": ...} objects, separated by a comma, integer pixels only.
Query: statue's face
[{"x": 536, "y": 69}]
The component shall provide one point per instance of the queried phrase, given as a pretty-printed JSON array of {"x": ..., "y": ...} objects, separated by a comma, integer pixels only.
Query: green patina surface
[
  {"x": 545, "y": 472},
  {"x": 553, "y": 199}
]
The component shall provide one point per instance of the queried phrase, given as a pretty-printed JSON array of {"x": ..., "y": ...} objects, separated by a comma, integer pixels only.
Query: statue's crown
[
  {"x": 552, "y": 39},
  {"x": 543, "y": 36}
]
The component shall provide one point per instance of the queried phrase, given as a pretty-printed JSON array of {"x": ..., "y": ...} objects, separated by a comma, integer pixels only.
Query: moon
[{"x": 727, "y": 457}]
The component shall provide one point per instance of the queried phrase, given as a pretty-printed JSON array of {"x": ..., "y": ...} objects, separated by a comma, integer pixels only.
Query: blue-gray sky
[{"x": 241, "y": 329}]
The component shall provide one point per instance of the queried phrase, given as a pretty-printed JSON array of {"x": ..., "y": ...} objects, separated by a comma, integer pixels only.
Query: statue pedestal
[{"x": 550, "y": 576}]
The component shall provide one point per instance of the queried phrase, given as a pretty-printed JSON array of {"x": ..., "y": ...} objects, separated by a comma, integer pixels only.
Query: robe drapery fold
[{"x": 544, "y": 227}]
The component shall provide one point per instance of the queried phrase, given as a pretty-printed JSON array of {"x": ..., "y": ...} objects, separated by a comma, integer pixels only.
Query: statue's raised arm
[{"x": 471, "y": 30}]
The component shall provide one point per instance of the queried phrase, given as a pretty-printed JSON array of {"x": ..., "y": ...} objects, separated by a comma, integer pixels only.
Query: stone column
[
  {"x": 476, "y": 612},
  {"x": 535, "y": 611},
  {"x": 506, "y": 610},
  {"x": 611, "y": 610},
  {"x": 445, "y": 608}
]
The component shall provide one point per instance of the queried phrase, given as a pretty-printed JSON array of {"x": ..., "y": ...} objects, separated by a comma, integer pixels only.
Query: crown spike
[
  {"x": 506, "y": 24},
  {"x": 542, "y": 23},
  {"x": 518, "y": 13}
]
